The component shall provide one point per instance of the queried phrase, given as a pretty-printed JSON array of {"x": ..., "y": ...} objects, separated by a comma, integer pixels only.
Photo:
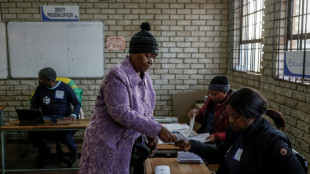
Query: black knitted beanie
[
  {"x": 143, "y": 41},
  {"x": 219, "y": 83}
]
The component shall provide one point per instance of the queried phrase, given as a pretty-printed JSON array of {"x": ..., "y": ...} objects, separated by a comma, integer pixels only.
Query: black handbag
[{"x": 140, "y": 152}]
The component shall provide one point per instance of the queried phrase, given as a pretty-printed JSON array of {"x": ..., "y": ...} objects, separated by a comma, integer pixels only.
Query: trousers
[{"x": 65, "y": 137}]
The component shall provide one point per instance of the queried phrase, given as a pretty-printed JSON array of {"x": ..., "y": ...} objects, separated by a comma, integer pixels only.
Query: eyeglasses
[{"x": 150, "y": 58}]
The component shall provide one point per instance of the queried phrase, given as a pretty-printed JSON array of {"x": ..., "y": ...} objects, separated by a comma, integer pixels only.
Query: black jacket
[{"x": 261, "y": 151}]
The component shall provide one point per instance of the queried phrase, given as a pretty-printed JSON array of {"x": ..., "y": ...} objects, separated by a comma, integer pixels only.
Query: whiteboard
[
  {"x": 73, "y": 49},
  {"x": 3, "y": 52}
]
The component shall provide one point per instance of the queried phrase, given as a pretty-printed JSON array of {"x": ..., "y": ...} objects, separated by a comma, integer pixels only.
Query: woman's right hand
[
  {"x": 184, "y": 145},
  {"x": 192, "y": 112},
  {"x": 166, "y": 136}
]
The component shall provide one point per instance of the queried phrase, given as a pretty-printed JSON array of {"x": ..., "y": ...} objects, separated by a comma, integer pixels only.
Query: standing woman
[
  {"x": 252, "y": 144},
  {"x": 124, "y": 112}
]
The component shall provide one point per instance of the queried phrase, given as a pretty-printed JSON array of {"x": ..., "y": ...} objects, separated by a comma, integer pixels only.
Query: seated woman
[{"x": 252, "y": 144}]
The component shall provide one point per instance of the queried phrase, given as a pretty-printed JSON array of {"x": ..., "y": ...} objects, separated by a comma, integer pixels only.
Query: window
[
  {"x": 291, "y": 53},
  {"x": 246, "y": 46}
]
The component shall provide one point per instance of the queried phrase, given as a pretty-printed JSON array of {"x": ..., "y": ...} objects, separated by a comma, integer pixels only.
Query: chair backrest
[
  {"x": 78, "y": 91},
  {"x": 303, "y": 161}
]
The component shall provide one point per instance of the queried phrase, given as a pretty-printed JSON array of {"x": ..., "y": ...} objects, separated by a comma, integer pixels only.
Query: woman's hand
[
  {"x": 192, "y": 112},
  {"x": 152, "y": 144},
  {"x": 70, "y": 118},
  {"x": 184, "y": 145},
  {"x": 211, "y": 139},
  {"x": 166, "y": 136}
]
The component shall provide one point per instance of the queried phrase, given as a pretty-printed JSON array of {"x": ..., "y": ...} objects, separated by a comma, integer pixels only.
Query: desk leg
[
  {"x": 3, "y": 152},
  {"x": 148, "y": 166},
  {"x": 1, "y": 118}
]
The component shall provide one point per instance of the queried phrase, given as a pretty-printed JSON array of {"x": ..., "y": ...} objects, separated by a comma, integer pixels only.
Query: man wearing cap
[
  {"x": 124, "y": 113},
  {"x": 54, "y": 98},
  {"x": 213, "y": 116}
]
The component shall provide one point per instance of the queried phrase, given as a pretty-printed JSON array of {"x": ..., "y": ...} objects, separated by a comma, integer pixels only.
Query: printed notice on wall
[
  {"x": 297, "y": 63},
  {"x": 116, "y": 43},
  {"x": 59, "y": 12}
]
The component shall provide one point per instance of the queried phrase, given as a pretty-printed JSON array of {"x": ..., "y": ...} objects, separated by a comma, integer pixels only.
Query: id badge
[
  {"x": 59, "y": 94},
  {"x": 238, "y": 154}
]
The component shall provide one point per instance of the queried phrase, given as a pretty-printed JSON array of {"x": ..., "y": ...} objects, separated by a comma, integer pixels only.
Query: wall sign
[
  {"x": 59, "y": 12},
  {"x": 116, "y": 43},
  {"x": 294, "y": 63}
]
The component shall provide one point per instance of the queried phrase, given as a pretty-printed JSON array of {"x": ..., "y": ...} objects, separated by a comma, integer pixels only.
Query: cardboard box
[{"x": 184, "y": 102}]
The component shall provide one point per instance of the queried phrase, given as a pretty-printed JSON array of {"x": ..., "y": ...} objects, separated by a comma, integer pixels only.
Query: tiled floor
[{"x": 21, "y": 155}]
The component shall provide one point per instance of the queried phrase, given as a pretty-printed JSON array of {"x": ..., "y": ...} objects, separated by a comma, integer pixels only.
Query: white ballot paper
[
  {"x": 192, "y": 122},
  {"x": 183, "y": 131},
  {"x": 190, "y": 132},
  {"x": 180, "y": 136},
  {"x": 200, "y": 137},
  {"x": 176, "y": 128}
]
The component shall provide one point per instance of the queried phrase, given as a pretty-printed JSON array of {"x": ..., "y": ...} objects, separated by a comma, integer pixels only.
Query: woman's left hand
[
  {"x": 152, "y": 144},
  {"x": 210, "y": 139},
  {"x": 184, "y": 145}
]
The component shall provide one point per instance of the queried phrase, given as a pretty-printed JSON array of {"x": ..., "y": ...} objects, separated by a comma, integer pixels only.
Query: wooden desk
[
  {"x": 167, "y": 147},
  {"x": 75, "y": 124},
  {"x": 13, "y": 126},
  {"x": 175, "y": 167}
]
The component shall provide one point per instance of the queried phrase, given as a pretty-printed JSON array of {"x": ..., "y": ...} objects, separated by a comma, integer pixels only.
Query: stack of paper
[
  {"x": 160, "y": 119},
  {"x": 188, "y": 157},
  {"x": 176, "y": 126}
]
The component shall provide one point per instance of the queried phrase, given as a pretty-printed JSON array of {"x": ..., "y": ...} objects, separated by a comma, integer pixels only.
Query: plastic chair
[{"x": 78, "y": 91}]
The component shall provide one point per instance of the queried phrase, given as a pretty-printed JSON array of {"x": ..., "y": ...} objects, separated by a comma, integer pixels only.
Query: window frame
[
  {"x": 289, "y": 37},
  {"x": 247, "y": 56}
]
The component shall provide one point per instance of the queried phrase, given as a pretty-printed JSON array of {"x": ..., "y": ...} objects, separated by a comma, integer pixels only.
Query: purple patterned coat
[{"x": 124, "y": 111}]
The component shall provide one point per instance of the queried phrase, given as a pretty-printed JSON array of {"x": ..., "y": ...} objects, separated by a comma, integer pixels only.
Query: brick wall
[{"x": 192, "y": 35}]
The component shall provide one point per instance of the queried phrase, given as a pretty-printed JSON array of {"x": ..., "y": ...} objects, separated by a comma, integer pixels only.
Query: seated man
[
  {"x": 54, "y": 98},
  {"x": 213, "y": 116}
]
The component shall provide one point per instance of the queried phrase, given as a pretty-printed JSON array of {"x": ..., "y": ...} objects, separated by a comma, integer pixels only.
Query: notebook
[
  {"x": 29, "y": 117},
  {"x": 188, "y": 158}
]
